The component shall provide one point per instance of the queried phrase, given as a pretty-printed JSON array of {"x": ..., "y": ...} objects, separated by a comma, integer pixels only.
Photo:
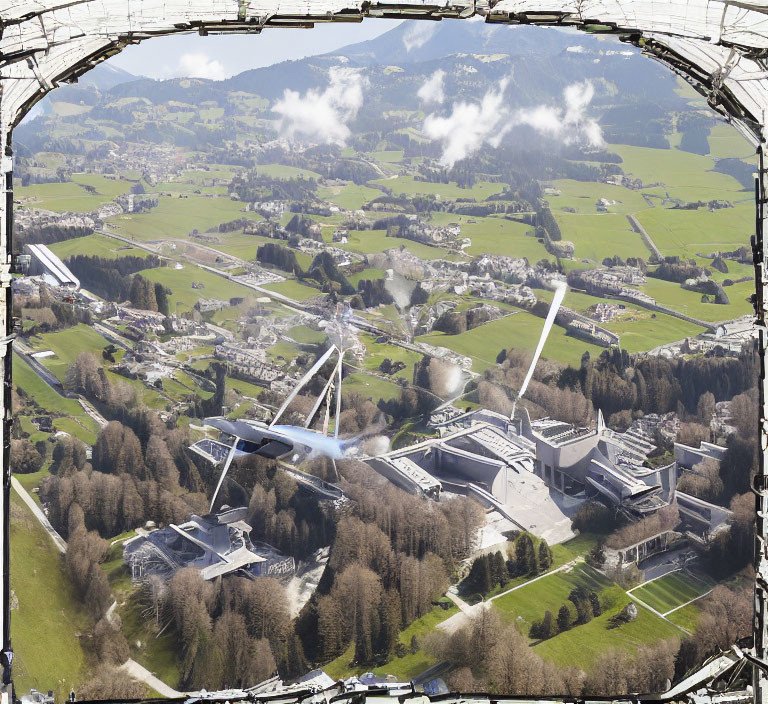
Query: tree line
[{"x": 117, "y": 279}]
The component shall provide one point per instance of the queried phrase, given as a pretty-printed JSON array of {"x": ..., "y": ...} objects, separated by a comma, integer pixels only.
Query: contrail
[{"x": 557, "y": 299}]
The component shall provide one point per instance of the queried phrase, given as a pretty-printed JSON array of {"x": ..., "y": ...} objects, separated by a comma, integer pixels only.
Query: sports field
[{"x": 672, "y": 590}]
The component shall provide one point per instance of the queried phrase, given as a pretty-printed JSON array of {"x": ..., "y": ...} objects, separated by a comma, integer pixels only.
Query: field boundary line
[
  {"x": 696, "y": 598},
  {"x": 657, "y": 613},
  {"x": 655, "y": 579},
  {"x": 562, "y": 568}
]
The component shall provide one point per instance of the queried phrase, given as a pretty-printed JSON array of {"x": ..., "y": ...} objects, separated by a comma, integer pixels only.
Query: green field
[
  {"x": 582, "y": 196},
  {"x": 410, "y": 186},
  {"x": 285, "y": 172},
  {"x": 688, "y": 232},
  {"x": 372, "y": 241},
  {"x": 350, "y": 196},
  {"x": 598, "y": 236},
  {"x": 293, "y": 289},
  {"x": 67, "y": 344},
  {"x": 177, "y": 217},
  {"x": 686, "y": 617},
  {"x": 71, "y": 196},
  {"x": 669, "y": 294},
  {"x": 521, "y": 330},
  {"x": 642, "y": 330},
  {"x": 504, "y": 237},
  {"x": 582, "y": 644},
  {"x": 48, "y": 620},
  {"x": 686, "y": 176},
  {"x": 369, "y": 386},
  {"x": 180, "y": 282},
  {"x": 672, "y": 590},
  {"x": 96, "y": 246}
]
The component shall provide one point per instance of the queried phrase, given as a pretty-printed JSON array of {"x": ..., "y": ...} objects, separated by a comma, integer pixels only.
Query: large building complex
[
  {"x": 46, "y": 264},
  {"x": 216, "y": 545},
  {"x": 536, "y": 473}
]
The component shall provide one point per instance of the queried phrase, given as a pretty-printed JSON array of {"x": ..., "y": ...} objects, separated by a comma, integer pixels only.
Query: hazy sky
[{"x": 218, "y": 57}]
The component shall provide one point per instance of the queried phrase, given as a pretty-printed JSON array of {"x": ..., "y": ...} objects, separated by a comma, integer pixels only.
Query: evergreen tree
[
  {"x": 594, "y": 601},
  {"x": 545, "y": 556},
  {"x": 526, "y": 555},
  {"x": 499, "y": 574},
  {"x": 563, "y": 618},
  {"x": 596, "y": 556},
  {"x": 548, "y": 626},
  {"x": 162, "y": 299}
]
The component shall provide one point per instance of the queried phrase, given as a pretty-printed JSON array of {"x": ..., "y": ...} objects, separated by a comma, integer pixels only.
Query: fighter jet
[{"x": 245, "y": 437}]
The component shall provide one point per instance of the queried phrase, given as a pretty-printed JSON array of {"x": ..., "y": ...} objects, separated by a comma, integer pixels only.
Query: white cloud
[
  {"x": 200, "y": 65},
  {"x": 432, "y": 89},
  {"x": 470, "y": 125},
  {"x": 571, "y": 123},
  {"x": 418, "y": 34},
  {"x": 323, "y": 116}
]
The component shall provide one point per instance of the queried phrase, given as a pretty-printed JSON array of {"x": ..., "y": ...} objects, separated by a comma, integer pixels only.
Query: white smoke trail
[
  {"x": 323, "y": 116},
  {"x": 557, "y": 299}
]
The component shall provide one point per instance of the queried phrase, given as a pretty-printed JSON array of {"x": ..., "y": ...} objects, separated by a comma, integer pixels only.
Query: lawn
[
  {"x": 285, "y": 172},
  {"x": 528, "y": 603},
  {"x": 583, "y": 197},
  {"x": 522, "y": 331},
  {"x": 48, "y": 620},
  {"x": 669, "y": 294},
  {"x": 369, "y": 386},
  {"x": 67, "y": 344},
  {"x": 372, "y": 241},
  {"x": 688, "y": 232},
  {"x": 504, "y": 237},
  {"x": 725, "y": 141},
  {"x": 582, "y": 644},
  {"x": 409, "y": 186},
  {"x": 641, "y": 330},
  {"x": 180, "y": 282},
  {"x": 96, "y": 246},
  {"x": 671, "y": 591},
  {"x": 177, "y": 217},
  {"x": 349, "y": 197},
  {"x": 25, "y": 377},
  {"x": 60, "y": 197},
  {"x": 293, "y": 289},
  {"x": 376, "y": 353},
  {"x": 602, "y": 235},
  {"x": 687, "y": 176},
  {"x": 686, "y": 617}
]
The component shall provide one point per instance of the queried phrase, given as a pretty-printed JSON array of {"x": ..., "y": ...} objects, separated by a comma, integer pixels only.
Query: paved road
[
  {"x": 142, "y": 674},
  {"x": 61, "y": 544}
]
